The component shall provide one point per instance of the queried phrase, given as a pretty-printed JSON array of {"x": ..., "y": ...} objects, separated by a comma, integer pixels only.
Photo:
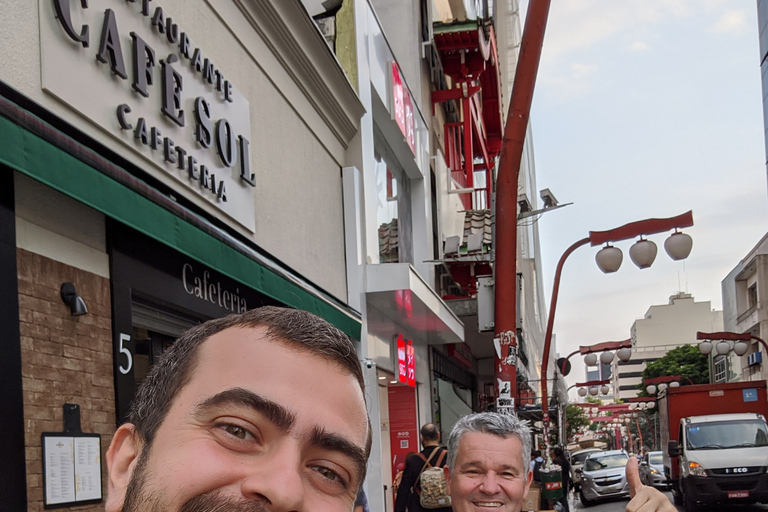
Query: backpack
[
  {"x": 431, "y": 483},
  {"x": 537, "y": 470}
]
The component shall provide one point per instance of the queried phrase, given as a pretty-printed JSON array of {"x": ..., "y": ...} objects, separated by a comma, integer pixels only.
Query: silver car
[
  {"x": 577, "y": 462},
  {"x": 652, "y": 470},
  {"x": 604, "y": 476}
]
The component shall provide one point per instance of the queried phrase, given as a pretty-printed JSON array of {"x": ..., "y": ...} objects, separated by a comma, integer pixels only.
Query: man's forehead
[{"x": 474, "y": 446}]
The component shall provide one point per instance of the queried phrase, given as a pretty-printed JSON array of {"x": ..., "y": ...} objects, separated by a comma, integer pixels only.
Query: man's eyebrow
[
  {"x": 322, "y": 439},
  {"x": 278, "y": 415},
  {"x": 479, "y": 464}
]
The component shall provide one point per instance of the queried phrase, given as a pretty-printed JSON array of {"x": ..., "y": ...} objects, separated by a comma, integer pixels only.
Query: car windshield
[
  {"x": 613, "y": 460},
  {"x": 578, "y": 458},
  {"x": 726, "y": 434},
  {"x": 656, "y": 458}
]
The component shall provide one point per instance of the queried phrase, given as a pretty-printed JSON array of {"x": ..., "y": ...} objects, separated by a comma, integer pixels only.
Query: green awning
[{"x": 30, "y": 154}]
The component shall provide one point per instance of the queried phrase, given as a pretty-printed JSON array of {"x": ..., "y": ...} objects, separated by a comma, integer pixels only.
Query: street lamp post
[
  {"x": 623, "y": 352},
  {"x": 642, "y": 404},
  {"x": 740, "y": 340},
  {"x": 587, "y": 387},
  {"x": 728, "y": 341},
  {"x": 678, "y": 246},
  {"x": 660, "y": 383}
]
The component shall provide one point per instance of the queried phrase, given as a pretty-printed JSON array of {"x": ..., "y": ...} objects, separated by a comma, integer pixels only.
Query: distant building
[
  {"x": 744, "y": 310},
  {"x": 762, "y": 23},
  {"x": 663, "y": 328},
  {"x": 601, "y": 371}
]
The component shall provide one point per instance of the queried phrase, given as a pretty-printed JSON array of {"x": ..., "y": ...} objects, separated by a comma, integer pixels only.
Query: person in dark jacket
[
  {"x": 558, "y": 457},
  {"x": 407, "y": 497}
]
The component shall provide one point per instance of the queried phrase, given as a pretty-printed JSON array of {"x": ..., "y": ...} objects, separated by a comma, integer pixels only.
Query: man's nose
[
  {"x": 490, "y": 483},
  {"x": 277, "y": 479}
]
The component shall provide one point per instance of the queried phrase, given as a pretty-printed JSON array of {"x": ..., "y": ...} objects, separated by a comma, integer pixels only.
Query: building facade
[
  {"x": 155, "y": 157},
  {"x": 663, "y": 328},
  {"x": 174, "y": 162},
  {"x": 744, "y": 310}
]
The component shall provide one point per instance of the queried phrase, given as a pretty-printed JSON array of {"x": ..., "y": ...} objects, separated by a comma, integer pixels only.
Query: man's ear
[
  {"x": 122, "y": 456},
  {"x": 528, "y": 481},
  {"x": 447, "y": 473}
]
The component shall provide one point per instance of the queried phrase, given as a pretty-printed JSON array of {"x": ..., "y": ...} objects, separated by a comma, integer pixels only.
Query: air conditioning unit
[{"x": 754, "y": 358}]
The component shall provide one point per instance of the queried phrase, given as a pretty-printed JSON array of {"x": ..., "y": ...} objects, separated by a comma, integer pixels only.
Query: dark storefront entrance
[{"x": 157, "y": 294}]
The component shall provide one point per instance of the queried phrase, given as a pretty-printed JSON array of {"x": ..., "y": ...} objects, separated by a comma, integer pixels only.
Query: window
[
  {"x": 721, "y": 369},
  {"x": 752, "y": 296},
  {"x": 393, "y": 214}
]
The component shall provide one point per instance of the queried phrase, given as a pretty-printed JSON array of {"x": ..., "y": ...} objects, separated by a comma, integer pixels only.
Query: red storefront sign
[
  {"x": 403, "y": 108},
  {"x": 410, "y": 364},
  {"x": 406, "y": 361}
]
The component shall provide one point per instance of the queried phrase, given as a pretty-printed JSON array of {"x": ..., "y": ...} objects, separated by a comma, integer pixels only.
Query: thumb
[{"x": 633, "y": 476}]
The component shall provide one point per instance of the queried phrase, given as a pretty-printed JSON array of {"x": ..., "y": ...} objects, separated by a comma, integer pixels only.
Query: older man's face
[
  {"x": 259, "y": 427},
  {"x": 490, "y": 474}
]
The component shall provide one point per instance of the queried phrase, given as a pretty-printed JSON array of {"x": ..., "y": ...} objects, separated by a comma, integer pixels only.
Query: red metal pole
[
  {"x": 548, "y": 335},
  {"x": 505, "y": 321},
  {"x": 469, "y": 165}
]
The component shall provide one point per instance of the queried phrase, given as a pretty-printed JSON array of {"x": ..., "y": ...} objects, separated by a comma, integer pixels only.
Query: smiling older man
[{"x": 487, "y": 467}]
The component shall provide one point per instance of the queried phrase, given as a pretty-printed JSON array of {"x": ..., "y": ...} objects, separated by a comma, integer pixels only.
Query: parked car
[
  {"x": 604, "y": 476},
  {"x": 577, "y": 461},
  {"x": 652, "y": 470}
]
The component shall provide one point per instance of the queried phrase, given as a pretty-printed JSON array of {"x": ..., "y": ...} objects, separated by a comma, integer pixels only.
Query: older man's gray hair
[{"x": 497, "y": 424}]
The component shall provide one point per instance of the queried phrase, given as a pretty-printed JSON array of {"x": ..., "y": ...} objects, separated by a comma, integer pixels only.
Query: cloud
[
  {"x": 577, "y": 25},
  {"x": 639, "y": 46},
  {"x": 730, "y": 22},
  {"x": 574, "y": 81}
]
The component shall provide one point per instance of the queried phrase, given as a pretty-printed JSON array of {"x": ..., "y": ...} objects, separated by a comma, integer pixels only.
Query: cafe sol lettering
[{"x": 152, "y": 68}]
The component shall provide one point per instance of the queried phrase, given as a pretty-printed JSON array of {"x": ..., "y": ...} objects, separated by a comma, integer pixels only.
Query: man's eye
[
  {"x": 238, "y": 432},
  {"x": 328, "y": 473}
]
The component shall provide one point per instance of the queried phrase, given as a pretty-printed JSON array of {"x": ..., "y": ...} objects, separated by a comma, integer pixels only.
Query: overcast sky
[{"x": 647, "y": 109}]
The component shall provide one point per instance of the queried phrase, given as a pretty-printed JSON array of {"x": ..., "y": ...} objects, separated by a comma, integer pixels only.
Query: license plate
[{"x": 738, "y": 494}]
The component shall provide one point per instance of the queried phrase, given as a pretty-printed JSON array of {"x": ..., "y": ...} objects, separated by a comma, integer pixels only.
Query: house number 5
[{"x": 124, "y": 350}]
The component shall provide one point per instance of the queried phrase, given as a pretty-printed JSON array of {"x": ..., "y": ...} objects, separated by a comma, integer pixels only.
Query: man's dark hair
[
  {"x": 537, "y": 453},
  {"x": 558, "y": 451},
  {"x": 429, "y": 432},
  {"x": 292, "y": 327}
]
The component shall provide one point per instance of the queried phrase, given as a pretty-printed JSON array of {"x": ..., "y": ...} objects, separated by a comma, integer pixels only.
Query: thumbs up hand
[{"x": 644, "y": 498}]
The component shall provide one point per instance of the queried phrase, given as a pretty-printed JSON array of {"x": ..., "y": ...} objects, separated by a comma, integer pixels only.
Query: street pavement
[{"x": 618, "y": 505}]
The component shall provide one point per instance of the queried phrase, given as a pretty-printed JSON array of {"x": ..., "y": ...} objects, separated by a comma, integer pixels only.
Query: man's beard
[{"x": 139, "y": 499}]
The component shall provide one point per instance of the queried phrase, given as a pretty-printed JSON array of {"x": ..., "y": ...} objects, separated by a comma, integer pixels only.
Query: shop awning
[
  {"x": 399, "y": 292},
  {"x": 103, "y": 186}
]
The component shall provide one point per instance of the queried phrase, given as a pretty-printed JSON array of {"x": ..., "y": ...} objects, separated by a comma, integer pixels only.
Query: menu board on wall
[{"x": 71, "y": 469}]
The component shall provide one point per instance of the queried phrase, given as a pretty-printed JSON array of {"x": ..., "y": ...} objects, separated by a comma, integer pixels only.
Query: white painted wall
[
  {"x": 57, "y": 227},
  {"x": 676, "y": 323}
]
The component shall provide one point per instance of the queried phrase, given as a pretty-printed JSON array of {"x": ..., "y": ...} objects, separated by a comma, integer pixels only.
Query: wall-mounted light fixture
[{"x": 73, "y": 300}]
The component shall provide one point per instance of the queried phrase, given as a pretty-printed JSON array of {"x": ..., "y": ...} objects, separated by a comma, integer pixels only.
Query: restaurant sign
[{"x": 132, "y": 70}]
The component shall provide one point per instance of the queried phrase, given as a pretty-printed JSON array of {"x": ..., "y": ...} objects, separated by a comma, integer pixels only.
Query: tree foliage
[
  {"x": 575, "y": 419},
  {"x": 685, "y": 361}
]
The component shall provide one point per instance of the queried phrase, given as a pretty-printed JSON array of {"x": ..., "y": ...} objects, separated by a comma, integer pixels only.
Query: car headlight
[
  {"x": 696, "y": 469},
  {"x": 654, "y": 471}
]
